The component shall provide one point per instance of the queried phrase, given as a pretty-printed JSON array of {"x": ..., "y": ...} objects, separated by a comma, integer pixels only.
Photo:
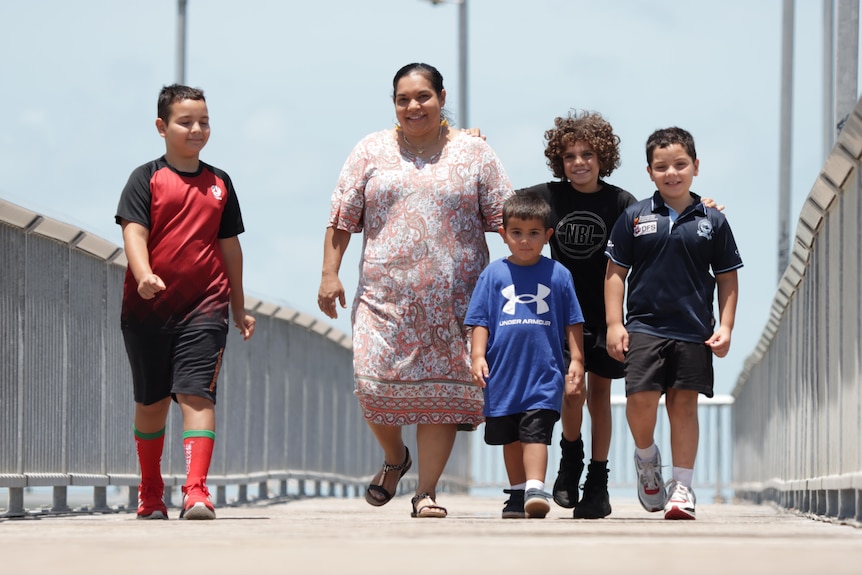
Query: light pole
[
  {"x": 786, "y": 138},
  {"x": 181, "y": 41},
  {"x": 462, "y": 58}
]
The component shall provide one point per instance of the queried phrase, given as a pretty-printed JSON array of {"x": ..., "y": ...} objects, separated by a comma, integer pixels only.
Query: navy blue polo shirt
[{"x": 670, "y": 287}]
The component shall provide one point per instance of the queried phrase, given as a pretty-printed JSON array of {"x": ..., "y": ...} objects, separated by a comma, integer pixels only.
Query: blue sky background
[{"x": 292, "y": 86}]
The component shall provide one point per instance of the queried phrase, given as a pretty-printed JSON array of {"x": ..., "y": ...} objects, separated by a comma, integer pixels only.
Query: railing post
[{"x": 718, "y": 497}]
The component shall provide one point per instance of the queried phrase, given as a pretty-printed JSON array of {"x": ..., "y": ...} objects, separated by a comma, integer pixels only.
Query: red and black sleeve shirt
[{"x": 186, "y": 214}]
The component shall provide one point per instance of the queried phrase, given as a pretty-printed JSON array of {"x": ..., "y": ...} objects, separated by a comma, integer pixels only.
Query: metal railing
[
  {"x": 285, "y": 411},
  {"x": 798, "y": 416}
]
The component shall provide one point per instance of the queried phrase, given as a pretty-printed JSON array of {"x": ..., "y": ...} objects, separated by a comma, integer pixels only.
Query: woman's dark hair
[{"x": 430, "y": 73}]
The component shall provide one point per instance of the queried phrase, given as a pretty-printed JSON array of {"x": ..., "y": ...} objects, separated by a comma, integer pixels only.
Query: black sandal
[
  {"x": 427, "y": 511},
  {"x": 379, "y": 489}
]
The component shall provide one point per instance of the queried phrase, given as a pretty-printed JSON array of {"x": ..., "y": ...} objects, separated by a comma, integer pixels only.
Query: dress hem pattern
[{"x": 424, "y": 402}]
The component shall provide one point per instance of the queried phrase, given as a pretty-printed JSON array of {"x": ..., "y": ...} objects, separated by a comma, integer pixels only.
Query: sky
[{"x": 292, "y": 86}]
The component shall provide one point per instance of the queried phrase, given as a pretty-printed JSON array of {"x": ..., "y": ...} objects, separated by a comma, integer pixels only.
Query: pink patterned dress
[{"x": 423, "y": 224}]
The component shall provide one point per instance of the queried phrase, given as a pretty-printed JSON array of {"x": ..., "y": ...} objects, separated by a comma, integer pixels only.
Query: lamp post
[
  {"x": 786, "y": 141},
  {"x": 462, "y": 58},
  {"x": 181, "y": 41}
]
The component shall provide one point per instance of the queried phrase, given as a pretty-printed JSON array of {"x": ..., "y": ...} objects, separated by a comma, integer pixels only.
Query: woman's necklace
[{"x": 417, "y": 148}]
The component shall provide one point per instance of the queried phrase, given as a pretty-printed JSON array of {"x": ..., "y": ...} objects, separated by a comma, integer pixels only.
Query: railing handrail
[
  {"x": 66, "y": 392},
  {"x": 798, "y": 416}
]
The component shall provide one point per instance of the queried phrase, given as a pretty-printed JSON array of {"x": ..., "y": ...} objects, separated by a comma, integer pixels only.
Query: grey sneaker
[
  {"x": 536, "y": 503},
  {"x": 514, "y": 507},
  {"x": 680, "y": 504},
  {"x": 651, "y": 490}
]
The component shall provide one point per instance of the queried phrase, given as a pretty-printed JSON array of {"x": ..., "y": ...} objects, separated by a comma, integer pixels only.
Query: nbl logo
[
  {"x": 581, "y": 234},
  {"x": 538, "y": 298}
]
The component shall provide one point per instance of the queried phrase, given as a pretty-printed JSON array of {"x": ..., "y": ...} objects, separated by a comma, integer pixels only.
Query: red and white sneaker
[
  {"x": 196, "y": 503},
  {"x": 151, "y": 501},
  {"x": 680, "y": 504}
]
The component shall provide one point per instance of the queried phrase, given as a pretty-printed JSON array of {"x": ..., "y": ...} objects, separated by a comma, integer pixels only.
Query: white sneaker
[
  {"x": 651, "y": 490},
  {"x": 680, "y": 504}
]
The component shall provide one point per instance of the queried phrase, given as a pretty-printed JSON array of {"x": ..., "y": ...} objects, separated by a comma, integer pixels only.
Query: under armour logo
[{"x": 539, "y": 299}]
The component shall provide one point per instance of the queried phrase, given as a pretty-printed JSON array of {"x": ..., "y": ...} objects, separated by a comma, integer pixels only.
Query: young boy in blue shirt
[
  {"x": 523, "y": 311},
  {"x": 669, "y": 243}
]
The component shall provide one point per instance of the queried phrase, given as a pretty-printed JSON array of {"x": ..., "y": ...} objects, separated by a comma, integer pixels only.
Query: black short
[
  {"x": 534, "y": 426},
  {"x": 658, "y": 364},
  {"x": 596, "y": 358},
  {"x": 165, "y": 364}
]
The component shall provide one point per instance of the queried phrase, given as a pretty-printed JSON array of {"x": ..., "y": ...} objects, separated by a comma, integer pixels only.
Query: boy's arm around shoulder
[
  {"x": 728, "y": 295},
  {"x": 232, "y": 253}
]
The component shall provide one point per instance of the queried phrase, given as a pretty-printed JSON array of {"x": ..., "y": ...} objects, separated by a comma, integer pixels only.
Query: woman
[{"x": 423, "y": 195}]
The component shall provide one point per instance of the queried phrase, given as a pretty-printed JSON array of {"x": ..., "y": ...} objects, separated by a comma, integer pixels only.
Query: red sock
[
  {"x": 149, "y": 447},
  {"x": 198, "y": 446}
]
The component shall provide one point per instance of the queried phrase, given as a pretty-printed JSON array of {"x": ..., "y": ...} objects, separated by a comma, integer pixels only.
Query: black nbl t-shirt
[
  {"x": 582, "y": 225},
  {"x": 186, "y": 214}
]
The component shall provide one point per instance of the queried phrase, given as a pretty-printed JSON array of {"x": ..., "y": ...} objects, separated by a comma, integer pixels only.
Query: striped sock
[
  {"x": 198, "y": 446},
  {"x": 149, "y": 447}
]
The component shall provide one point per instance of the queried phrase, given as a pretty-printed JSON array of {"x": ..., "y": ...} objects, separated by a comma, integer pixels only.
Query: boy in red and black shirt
[{"x": 180, "y": 220}]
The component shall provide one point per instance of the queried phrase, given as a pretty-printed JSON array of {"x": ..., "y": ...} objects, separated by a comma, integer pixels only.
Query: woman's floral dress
[{"x": 423, "y": 225}]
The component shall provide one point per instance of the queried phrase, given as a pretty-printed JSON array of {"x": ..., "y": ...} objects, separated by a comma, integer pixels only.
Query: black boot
[
  {"x": 571, "y": 466},
  {"x": 595, "y": 503}
]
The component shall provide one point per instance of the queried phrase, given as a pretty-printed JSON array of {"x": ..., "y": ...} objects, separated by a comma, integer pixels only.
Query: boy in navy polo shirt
[
  {"x": 180, "y": 220},
  {"x": 523, "y": 310},
  {"x": 669, "y": 243}
]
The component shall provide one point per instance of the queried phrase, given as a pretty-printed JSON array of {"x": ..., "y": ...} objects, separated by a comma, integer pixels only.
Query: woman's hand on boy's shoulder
[
  {"x": 710, "y": 203},
  {"x": 475, "y": 132}
]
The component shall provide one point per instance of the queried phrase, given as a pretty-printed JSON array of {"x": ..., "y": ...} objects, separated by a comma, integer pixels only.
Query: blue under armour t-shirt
[{"x": 526, "y": 310}]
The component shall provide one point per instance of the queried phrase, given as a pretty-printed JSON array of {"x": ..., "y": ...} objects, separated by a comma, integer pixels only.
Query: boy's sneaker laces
[
  {"x": 151, "y": 502},
  {"x": 196, "y": 503}
]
